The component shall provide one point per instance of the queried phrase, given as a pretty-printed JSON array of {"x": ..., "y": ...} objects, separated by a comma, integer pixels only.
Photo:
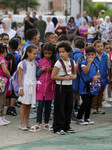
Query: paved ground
[{"x": 91, "y": 137}]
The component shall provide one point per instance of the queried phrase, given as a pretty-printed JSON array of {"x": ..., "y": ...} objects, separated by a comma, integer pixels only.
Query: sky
[{"x": 102, "y": 0}]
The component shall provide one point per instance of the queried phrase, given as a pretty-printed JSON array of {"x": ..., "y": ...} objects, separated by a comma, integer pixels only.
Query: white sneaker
[
  {"x": 2, "y": 122},
  {"x": 23, "y": 128},
  {"x": 33, "y": 106},
  {"x": 94, "y": 111},
  {"x": 106, "y": 104},
  {"x": 32, "y": 115},
  {"x": 8, "y": 122},
  {"x": 110, "y": 99},
  {"x": 89, "y": 121}
]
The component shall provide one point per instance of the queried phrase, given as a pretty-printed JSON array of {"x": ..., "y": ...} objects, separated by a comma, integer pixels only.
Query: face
[
  {"x": 63, "y": 54},
  {"x": 108, "y": 20},
  {"x": 27, "y": 14},
  {"x": 3, "y": 25},
  {"x": 5, "y": 40},
  {"x": 107, "y": 48},
  {"x": 89, "y": 24},
  {"x": 99, "y": 48},
  {"x": 90, "y": 55},
  {"x": 36, "y": 38},
  {"x": 52, "y": 39},
  {"x": 32, "y": 55},
  {"x": 40, "y": 17},
  {"x": 47, "y": 54},
  {"x": 48, "y": 19},
  {"x": 84, "y": 22}
]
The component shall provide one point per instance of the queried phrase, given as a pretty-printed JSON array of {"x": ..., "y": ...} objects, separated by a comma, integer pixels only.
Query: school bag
[
  {"x": 92, "y": 87},
  {"x": 79, "y": 59},
  {"x": 64, "y": 69},
  {"x": 3, "y": 83}
]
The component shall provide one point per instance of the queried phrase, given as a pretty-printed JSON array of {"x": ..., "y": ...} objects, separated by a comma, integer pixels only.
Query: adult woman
[
  {"x": 61, "y": 27},
  {"x": 106, "y": 29},
  {"x": 71, "y": 28},
  {"x": 83, "y": 29},
  {"x": 6, "y": 25}
]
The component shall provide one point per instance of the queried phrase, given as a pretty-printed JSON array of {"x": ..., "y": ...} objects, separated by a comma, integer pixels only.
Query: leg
[
  {"x": 22, "y": 113},
  {"x": 27, "y": 114},
  {"x": 2, "y": 101},
  {"x": 47, "y": 111},
  {"x": 100, "y": 97}
]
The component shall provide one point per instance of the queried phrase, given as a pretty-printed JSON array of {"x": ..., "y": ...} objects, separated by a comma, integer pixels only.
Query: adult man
[
  {"x": 50, "y": 25},
  {"x": 28, "y": 22},
  {"x": 41, "y": 26},
  {"x": 34, "y": 16},
  {"x": 85, "y": 15},
  {"x": 78, "y": 20}
]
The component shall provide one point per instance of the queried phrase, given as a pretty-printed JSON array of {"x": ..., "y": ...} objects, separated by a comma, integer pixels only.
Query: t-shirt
[
  {"x": 41, "y": 26},
  {"x": 62, "y": 73},
  {"x": 91, "y": 30},
  {"x": 2, "y": 60}
]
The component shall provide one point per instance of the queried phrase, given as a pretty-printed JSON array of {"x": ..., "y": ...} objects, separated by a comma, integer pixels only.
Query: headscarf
[
  {"x": 7, "y": 23},
  {"x": 82, "y": 26},
  {"x": 61, "y": 23},
  {"x": 105, "y": 22}
]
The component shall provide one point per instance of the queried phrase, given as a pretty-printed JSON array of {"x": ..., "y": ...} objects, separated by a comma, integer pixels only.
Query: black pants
[
  {"x": 85, "y": 107},
  {"x": 63, "y": 105},
  {"x": 47, "y": 111}
]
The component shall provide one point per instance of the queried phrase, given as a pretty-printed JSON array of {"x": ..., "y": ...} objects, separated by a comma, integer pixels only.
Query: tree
[{"x": 15, "y": 4}]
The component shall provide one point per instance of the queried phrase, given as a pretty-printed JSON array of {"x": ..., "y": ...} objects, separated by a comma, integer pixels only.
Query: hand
[
  {"x": 44, "y": 68},
  {"x": 49, "y": 69},
  {"x": 21, "y": 93},
  {"x": 95, "y": 78},
  {"x": 73, "y": 76},
  {"x": 90, "y": 60}
]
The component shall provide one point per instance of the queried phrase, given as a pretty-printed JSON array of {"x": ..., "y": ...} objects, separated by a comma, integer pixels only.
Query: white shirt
[
  {"x": 62, "y": 73},
  {"x": 50, "y": 27},
  {"x": 91, "y": 30}
]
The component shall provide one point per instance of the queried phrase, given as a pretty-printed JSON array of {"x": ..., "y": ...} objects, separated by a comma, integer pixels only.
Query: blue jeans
[
  {"x": 47, "y": 110},
  {"x": 90, "y": 40}
]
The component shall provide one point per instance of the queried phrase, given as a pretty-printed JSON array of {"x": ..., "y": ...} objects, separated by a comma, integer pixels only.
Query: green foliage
[
  {"x": 21, "y": 4},
  {"x": 93, "y": 8},
  {"x": 108, "y": 13}
]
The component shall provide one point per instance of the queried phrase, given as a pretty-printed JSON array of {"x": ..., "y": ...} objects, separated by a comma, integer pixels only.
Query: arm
[
  {"x": 20, "y": 72},
  {"x": 87, "y": 68},
  {"x": 95, "y": 78},
  {"x": 39, "y": 72},
  {"x": 5, "y": 71}
]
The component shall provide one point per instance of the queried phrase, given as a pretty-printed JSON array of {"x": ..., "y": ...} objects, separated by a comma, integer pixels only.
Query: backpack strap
[
  {"x": 63, "y": 66},
  {"x": 72, "y": 65},
  {"x": 24, "y": 66}
]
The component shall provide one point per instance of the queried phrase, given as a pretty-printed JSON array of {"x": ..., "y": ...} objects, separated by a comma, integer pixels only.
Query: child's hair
[
  {"x": 31, "y": 33},
  {"x": 78, "y": 38},
  {"x": 62, "y": 38},
  {"x": 49, "y": 47},
  {"x": 90, "y": 49},
  {"x": 97, "y": 42},
  {"x": 48, "y": 34},
  {"x": 79, "y": 44},
  {"x": 29, "y": 49},
  {"x": 106, "y": 43},
  {"x": 13, "y": 43},
  {"x": 4, "y": 34},
  {"x": 17, "y": 36},
  {"x": 2, "y": 48},
  {"x": 64, "y": 44}
]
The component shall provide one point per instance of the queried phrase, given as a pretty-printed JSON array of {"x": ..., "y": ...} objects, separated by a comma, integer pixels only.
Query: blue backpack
[{"x": 79, "y": 59}]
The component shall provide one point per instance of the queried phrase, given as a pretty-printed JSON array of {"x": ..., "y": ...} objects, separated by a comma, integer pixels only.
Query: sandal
[
  {"x": 48, "y": 127},
  {"x": 35, "y": 128}
]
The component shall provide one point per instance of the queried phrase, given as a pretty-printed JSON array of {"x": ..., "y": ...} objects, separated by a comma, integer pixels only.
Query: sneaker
[
  {"x": 23, "y": 128},
  {"x": 101, "y": 111},
  {"x": 13, "y": 111},
  {"x": 106, "y": 104},
  {"x": 61, "y": 132},
  {"x": 73, "y": 119},
  {"x": 94, "y": 111},
  {"x": 70, "y": 130},
  {"x": 8, "y": 112},
  {"x": 32, "y": 115},
  {"x": 2, "y": 122},
  {"x": 33, "y": 106},
  {"x": 8, "y": 122},
  {"x": 110, "y": 99},
  {"x": 81, "y": 122},
  {"x": 89, "y": 121}
]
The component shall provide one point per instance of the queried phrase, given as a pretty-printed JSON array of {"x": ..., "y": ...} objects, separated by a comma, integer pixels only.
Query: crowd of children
[{"x": 55, "y": 70}]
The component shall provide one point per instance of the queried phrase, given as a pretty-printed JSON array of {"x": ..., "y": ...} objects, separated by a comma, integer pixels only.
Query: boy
[
  {"x": 88, "y": 71},
  {"x": 101, "y": 60},
  {"x": 50, "y": 37}
]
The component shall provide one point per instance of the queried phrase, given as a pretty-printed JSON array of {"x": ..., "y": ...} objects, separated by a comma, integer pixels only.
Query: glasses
[{"x": 5, "y": 39}]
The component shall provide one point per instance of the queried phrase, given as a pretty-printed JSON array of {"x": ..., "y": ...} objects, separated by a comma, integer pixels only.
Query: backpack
[
  {"x": 3, "y": 84},
  {"x": 79, "y": 59},
  {"x": 10, "y": 58}
]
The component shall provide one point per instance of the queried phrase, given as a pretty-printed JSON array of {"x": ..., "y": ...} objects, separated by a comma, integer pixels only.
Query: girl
[
  {"x": 27, "y": 88},
  {"x": 5, "y": 73},
  {"x": 45, "y": 86},
  {"x": 63, "y": 93}
]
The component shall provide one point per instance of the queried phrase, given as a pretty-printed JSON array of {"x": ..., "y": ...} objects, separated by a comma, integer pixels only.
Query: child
[
  {"x": 20, "y": 30},
  {"x": 14, "y": 58},
  {"x": 5, "y": 38},
  {"x": 63, "y": 102},
  {"x": 27, "y": 89},
  {"x": 88, "y": 71},
  {"x": 50, "y": 37},
  {"x": 3, "y": 72},
  {"x": 45, "y": 86},
  {"x": 101, "y": 60}
]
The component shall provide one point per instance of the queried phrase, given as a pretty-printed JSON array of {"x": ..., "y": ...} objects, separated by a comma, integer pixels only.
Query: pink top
[{"x": 2, "y": 60}]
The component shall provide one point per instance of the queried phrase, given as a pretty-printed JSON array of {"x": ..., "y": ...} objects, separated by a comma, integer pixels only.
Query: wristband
[{"x": 21, "y": 88}]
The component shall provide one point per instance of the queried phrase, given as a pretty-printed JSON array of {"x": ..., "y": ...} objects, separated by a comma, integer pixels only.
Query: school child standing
[
  {"x": 101, "y": 60},
  {"x": 3, "y": 73},
  {"x": 88, "y": 71},
  {"x": 63, "y": 102},
  {"x": 27, "y": 88},
  {"x": 45, "y": 87}
]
